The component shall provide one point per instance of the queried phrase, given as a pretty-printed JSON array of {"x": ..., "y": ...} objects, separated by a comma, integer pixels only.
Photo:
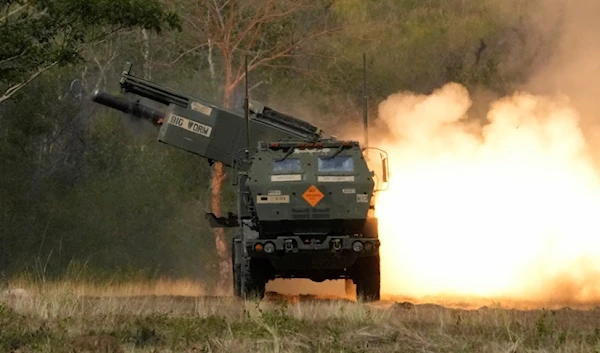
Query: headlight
[
  {"x": 269, "y": 248},
  {"x": 357, "y": 246},
  {"x": 368, "y": 246}
]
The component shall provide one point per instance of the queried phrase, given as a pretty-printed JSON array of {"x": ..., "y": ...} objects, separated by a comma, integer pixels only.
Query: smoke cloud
[
  {"x": 499, "y": 203},
  {"x": 504, "y": 206},
  {"x": 484, "y": 210},
  {"x": 574, "y": 69}
]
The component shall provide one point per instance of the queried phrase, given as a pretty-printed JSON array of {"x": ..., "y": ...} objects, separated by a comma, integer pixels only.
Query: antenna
[
  {"x": 241, "y": 192},
  {"x": 247, "y": 104},
  {"x": 365, "y": 102}
]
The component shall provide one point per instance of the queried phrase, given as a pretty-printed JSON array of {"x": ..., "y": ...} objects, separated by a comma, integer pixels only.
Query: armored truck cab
[{"x": 314, "y": 216}]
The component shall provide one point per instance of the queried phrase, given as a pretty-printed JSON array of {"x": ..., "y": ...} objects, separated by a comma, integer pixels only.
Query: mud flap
[{"x": 236, "y": 267}]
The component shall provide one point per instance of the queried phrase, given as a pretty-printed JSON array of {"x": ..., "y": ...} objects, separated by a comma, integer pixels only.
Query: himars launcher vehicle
[{"x": 305, "y": 201}]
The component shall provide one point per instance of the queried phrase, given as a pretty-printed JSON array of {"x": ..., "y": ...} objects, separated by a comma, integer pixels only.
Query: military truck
[{"x": 305, "y": 200}]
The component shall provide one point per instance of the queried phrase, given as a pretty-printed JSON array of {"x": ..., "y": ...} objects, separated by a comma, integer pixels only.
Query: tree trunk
[
  {"x": 220, "y": 239},
  {"x": 225, "y": 280}
]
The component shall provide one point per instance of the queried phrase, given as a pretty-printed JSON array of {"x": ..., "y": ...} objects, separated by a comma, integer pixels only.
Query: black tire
[
  {"x": 236, "y": 269},
  {"x": 252, "y": 281},
  {"x": 368, "y": 279}
]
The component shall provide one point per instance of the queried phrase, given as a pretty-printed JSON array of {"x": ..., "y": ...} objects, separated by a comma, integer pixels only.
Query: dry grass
[
  {"x": 161, "y": 287},
  {"x": 65, "y": 317}
]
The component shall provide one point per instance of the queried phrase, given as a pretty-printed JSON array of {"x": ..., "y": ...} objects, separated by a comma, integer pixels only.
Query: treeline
[{"x": 82, "y": 187}]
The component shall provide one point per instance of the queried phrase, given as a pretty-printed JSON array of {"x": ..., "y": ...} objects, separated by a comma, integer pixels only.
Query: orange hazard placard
[{"x": 312, "y": 195}]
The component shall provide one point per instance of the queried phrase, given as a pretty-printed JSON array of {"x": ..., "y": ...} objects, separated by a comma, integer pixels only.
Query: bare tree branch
[
  {"x": 268, "y": 16},
  {"x": 310, "y": 74},
  {"x": 146, "y": 54},
  {"x": 211, "y": 64},
  {"x": 278, "y": 53},
  {"x": 13, "y": 57},
  {"x": 255, "y": 86},
  {"x": 5, "y": 18},
  {"x": 16, "y": 88},
  {"x": 187, "y": 52},
  {"x": 192, "y": 23},
  {"x": 104, "y": 68},
  {"x": 218, "y": 11}
]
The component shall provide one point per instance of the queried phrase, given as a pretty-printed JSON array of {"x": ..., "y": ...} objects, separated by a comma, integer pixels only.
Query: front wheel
[
  {"x": 252, "y": 280},
  {"x": 237, "y": 275},
  {"x": 367, "y": 278}
]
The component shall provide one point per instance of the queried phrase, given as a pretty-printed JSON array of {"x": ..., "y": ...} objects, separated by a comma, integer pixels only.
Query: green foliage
[
  {"x": 19, "y": 332},
  {"x": 426, "y": 45},
  {"x": 37, "y": 34},
  {"x": 160, "y": 330},
  {"x": 97, "y": 197}
]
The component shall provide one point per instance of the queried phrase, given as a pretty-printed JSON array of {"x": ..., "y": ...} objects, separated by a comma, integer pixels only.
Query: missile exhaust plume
[
  {"x": 503, "y": 209},
  {"x": 500, "y": 204}
]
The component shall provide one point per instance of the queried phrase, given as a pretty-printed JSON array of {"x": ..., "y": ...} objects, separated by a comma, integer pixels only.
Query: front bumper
[
  {"x": 296, "y": 245},
  {"x": 330, "y": 259}
]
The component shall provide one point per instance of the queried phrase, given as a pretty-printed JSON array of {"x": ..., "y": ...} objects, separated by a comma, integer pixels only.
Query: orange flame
[{"x": 505, "y": 208}]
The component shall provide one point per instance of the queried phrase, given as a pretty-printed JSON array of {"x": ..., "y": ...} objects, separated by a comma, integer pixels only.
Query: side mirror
[
  {"x": 384, "y": 166},
  {"x": 385, "y": 175}
]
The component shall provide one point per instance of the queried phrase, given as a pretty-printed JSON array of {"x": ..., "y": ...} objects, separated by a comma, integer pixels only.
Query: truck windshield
[
  {"x": 336, "y": 164},
  {"x": 287, "y": 165}
]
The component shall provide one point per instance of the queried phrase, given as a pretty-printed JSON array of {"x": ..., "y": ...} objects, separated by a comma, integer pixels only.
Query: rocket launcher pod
[{"x": 203, "y": 128}]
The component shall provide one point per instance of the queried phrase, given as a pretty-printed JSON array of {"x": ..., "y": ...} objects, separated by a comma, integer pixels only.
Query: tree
[
  {"x": 37, "y": 35},
  {"x": 272, "y": 34}
]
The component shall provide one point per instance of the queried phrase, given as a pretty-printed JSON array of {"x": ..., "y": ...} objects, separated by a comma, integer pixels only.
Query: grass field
[{"x": 168, "y": 316}]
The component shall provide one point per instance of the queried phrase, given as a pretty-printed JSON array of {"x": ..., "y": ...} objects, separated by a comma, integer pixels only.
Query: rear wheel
[{"x": 367, "y": 279}]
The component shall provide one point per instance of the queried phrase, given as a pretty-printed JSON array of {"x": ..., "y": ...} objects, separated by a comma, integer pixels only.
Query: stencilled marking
[
  {"x": 274, "y": 192},
  {"x": 362, "y": 198},
  {"x": 335, "y": 179},
  {"x": 199, "y": 107},
  {"x": 190, "y": 125},
  {"x": 287, "y": 177},
  {"x": 273, "y": 199},
  {"x": 349, "y": 191},
  {"x": 313, "y": 150}
]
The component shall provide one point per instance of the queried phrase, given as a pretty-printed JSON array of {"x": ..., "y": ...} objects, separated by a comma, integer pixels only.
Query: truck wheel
[
  {"x": 252, "y": 282},
  {"x": 367, "y": 279},
  {"x": 236, "y": 269}
]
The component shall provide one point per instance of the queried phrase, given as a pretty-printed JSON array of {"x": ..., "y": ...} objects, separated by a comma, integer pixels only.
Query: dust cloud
[
  {"x": 299, "y": 286},
  {"x": 505, "y": 206},
  {"x": 493, "y": 210},
  {"x": 501, "y": 204},
  {"x": 573, "y": 69}
]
